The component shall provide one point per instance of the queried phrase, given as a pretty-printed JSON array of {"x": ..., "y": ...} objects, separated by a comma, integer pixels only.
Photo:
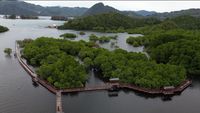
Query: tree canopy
[
  {"x": 8, "y": 51},
  {"x": 57, "y": 62},
  {"x": 107, "y": 22},
  {"x": 3, "y": 29},
  {"x": 174, "y": 43}
]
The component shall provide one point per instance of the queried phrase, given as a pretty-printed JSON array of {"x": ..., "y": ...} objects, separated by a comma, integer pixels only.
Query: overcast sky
[{"x": 159, "y": 6}]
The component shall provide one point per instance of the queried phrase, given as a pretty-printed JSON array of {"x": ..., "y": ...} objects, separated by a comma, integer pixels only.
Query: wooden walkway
[
  {"x": 173, "y": 91},
  {"x": 59, "y": 102},
  {"x": 91, "y": 88},
  {"x": 44, "y": 83}
]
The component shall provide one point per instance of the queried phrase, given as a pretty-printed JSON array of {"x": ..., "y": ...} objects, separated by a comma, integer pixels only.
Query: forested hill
[
  {"x": 190, "y": 12},
  {"x": 99, "y": 8},
  {"x": 23, "y": 8},
  {"x": 107, "y": 22}
]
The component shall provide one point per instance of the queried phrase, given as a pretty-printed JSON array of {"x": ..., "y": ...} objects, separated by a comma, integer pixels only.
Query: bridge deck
[{"x": 58, "y": 102}]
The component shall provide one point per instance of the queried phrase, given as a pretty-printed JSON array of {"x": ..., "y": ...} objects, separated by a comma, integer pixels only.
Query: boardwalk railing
[{"x": 175, "y": 90}]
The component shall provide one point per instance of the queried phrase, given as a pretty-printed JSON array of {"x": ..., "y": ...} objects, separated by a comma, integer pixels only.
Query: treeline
[
  {"x": 181, "y": 22},
  {"x": 56, "y": 62},
  {"x": 108, "y": 22},
  {"x": 115, "y": 22},
  {"x": 61, "y": 18},
  {"x": 102, "y": 39},
  {"x": 21, "y": 17},
  {"x": 3, "y": 29},
  {"x": 178, "y": 46}
]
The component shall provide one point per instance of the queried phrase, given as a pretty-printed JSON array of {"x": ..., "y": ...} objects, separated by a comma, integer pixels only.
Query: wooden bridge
[
  {"x": 173, "y": 91},
  {"x": 106, "y": 86},
  {"x": 59, "y": 102}
]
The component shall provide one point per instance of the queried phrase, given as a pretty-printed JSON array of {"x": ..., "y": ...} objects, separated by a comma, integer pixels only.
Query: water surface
[{"x": 19, "y": 95}]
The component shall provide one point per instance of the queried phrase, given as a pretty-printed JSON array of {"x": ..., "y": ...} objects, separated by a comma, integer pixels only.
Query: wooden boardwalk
[
  {"x": 173, "y": 91},
  {"x": 91, "y": 88},
  {"x": 59, "y": 102}
]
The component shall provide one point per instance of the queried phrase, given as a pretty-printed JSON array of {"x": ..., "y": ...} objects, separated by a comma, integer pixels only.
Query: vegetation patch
[
  {"x": 107, "y": 22},
  {"x": 8, "y": 51},
  {"x": 175, "y": 41},
  {"x": 102, "y": 39},
  {"x": 3, "y": 29},
  {"x": 56, "y": 62},
  {"x": 68, "y": 35},
  {"x": 82, "y": 33}
]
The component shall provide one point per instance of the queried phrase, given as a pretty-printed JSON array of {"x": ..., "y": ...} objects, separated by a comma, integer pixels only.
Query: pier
[{"x": 59, "y": 102}]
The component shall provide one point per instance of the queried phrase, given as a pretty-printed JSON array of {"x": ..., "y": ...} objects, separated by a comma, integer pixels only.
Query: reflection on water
[{"x": 18, "y": 94}]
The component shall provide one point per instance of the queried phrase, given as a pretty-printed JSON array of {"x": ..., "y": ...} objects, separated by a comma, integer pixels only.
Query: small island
[
  {"x": 102, "y": 39},
  {"x": 3, "y": 29},
  {"x": 68, "y": 36},
  {"x": 13, "y": 16},
  {"x": 55, "y": 62}
]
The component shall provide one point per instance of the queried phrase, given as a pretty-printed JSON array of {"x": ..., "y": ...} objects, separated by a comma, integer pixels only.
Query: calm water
[{"x": 19, "y": 95}]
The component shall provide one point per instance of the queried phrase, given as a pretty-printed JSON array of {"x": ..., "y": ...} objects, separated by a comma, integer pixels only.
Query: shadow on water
[
  {"x": 73, "y": 94},
  {"x": 8, "y": 56},
  {"x": 151, "y": 96},
  {"x": 35, "y": 84}
]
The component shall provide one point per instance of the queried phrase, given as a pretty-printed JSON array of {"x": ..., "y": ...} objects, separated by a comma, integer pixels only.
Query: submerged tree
[{"x": 8, "y": 51}]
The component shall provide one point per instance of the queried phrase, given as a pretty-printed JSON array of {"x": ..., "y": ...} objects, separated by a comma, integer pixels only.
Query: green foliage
[
  {"x": 107, "y": 22},
  {"x": 187, "y": 22},
  {"x": 22, "y": 43},
  {"x": 102, "y": 39},
  {"x": 176, "y": 46},
  {"x": 68, "y": 35},
  {"x": 82, "y": 33},
  {"x": 64, "y": 72},
  {"x": 3, "y": 29},
  {"x": 180, "y": 52},
  {"x": 180, "y": 22},
  {"x": 93, "y": 38},
  {"x": 154, "y": 29},
  {"x": 8, "y": 51},
  {"x": 53, "y": 57},
  {"x": 28, "y": 17},
  {"x": 56, "y": 61},
  {"x": 134, "y": 68},
  {"x": 135, "y": 41}
]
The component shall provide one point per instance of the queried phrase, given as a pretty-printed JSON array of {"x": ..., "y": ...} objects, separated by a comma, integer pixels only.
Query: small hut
[{"x": 114, "y": 80}]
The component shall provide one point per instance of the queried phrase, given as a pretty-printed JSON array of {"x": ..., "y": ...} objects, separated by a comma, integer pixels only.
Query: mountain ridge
[{"x": 24, "y": 8}]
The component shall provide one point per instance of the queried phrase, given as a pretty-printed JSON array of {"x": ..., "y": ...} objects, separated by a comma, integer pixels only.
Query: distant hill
[
  {"x": 145, "y": 13},
  {"x": 190, "y": 12},
  {"x": 107, "y": 22},
  {"x": 186, "y": 22},
  {"x": 99, "y": 8},
  {"x": 23, "y": 8},
  {"x": 131, "y": 14}
]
